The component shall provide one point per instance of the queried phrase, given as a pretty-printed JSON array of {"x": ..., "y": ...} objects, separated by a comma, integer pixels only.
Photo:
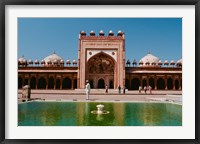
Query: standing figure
[
  {"x": 140, "y": 89},
  {"x": 119, "y": 89},
  {"x": 87, "y": 89},
  {"x": 124, "y": 89},
  {"x": 150, "y": 88},
  {"x": 145, "y": 89},
  {"x": 106, "y": 89}
]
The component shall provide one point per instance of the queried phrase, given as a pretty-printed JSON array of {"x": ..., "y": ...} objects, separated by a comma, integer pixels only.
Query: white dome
[
  {"x": 30, "y": 60},
  {"x": 22, "y": 59},
  {"x": 92, "y": 33},
  {"x": 110, "y": 33},
  {"x": 149, "y": 58},
  {"x": 53, "y": 58},
  {"x": 36, "y": 61},
  {"x": 179, "y": 61}
]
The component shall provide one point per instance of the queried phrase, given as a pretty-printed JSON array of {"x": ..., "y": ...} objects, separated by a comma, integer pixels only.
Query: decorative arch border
[{"x": 101, "y": 52}]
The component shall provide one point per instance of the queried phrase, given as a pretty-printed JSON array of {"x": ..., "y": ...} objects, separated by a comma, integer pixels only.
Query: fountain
[{"x": 100, "y": 110}]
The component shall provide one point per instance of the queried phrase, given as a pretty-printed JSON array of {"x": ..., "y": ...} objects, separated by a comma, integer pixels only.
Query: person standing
[
  {"x": 140, "y": 89},
  {"x": 119, "y": 89},
  {"x": 106, "y": 89},
  {"x": 150, "y": 88},
  {"x": 145, "y": 89},
  {"x": 124, "y": 89},
  {"x": 87, "y": 89}
]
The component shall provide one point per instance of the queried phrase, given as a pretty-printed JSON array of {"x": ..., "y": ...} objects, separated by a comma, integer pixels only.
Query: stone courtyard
[{"x": 100, "y": 95}]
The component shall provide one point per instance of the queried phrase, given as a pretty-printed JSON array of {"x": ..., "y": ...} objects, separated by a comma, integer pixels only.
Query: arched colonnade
[
  {"x": 48, "y": 81},
  {"x": 166, "y": 82}
]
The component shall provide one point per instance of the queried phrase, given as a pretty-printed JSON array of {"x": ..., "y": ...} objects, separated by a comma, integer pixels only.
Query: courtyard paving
[{"x": 100, "y": 95}]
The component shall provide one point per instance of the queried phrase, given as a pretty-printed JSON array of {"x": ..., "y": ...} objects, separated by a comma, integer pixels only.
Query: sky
[{"x": 40, "y": 37}]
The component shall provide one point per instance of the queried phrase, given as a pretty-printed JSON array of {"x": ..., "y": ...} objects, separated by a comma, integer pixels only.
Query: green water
[{"x": 79, "y": 114}]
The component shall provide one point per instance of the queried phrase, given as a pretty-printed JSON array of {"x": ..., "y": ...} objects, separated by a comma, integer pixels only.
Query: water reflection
[
  {"x": 79, "y": 114},
  {"x": 99, "y": 117}
]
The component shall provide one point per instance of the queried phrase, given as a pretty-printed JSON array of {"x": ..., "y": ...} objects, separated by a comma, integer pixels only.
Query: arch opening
[
  {"x": 33, "y": 83},
  {"x": 51, "y": 83},
  {"x": 152, "y": 83},
  {"x": 67, "y": 83},
  {"x": 58, "y": 84},
  {"x": 135, "y": 84},
  {"x": 98, "y": 66},
  {"x": 176, "y": 84},
  {"x": 42, "y": 83},
  {"x": 101, "y": 83},
  {"x": 19, "y": 82},
  {"x": 160, "y": 84},
  {"x": 169, "y": 84}
]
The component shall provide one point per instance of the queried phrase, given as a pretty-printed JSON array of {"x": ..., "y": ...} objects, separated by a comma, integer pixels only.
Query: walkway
[{"x": 99, "y": 95}]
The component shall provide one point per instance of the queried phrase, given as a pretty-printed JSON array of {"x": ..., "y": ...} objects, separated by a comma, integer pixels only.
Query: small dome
[
  {"x": 149, "y": 59},
  {"x": 128, "y": 62},
  {"x": 68, "y": 62},
  {"x": 120, "y": 33},
  {"x": 21, "y": 60},
  {"x": 179, "y": 62},
  {"x": 30, "y": 61},
  {"x": 92, "y": 33},
  {"x": 36, "y": 61},
  {"x": 172, "y": 62},
  {"x": 134, "y": 62},
  {"x": 42, "y": 62},
  {"x": 51, "y": 59},
  {"x": 74, "y": 62},
  {"x": 24, "y": 61},
  {"x": 141, "y": 62},
  {"x": 110, "y": 33},
  {"x": 160, "y": 62},
  {"x": 83, "y": 33},
  {"x": 166, "y": 62},
  {"x": 61, "y": 62},
  {"x": 101, "y": 33}
]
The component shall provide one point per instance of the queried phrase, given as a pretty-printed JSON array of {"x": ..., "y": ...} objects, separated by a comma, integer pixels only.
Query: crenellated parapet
[{"x": 101, "y": 36}]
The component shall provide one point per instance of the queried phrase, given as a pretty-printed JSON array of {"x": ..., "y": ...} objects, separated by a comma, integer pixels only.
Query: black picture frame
[{"x": 3, "y": 4}]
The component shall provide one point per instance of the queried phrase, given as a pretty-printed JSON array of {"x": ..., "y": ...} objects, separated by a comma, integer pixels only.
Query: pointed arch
[
  {"x": 152, "y": 83},
  {"x": 33, "y": 83},
  {"x": 101, "y": 83},
  {"x": 51, "y": 83},
  {"x": 127, "y": 84},
  {"x": 67, "y": 83},
  {"x": 57, "y": 83},
  {"x": 19, "y": 82},
  {"x": 169, "y": 83},
  {"x": 101, "y": 53},
  {"x": 160, "y": 84},
  {"x": 135, "y": 83},
  {"x": 144, "y": 82},
  {"x": 42, "y": 83},
  {"x": 25, "y": 81},
  {"x": 176, "y": 84}
]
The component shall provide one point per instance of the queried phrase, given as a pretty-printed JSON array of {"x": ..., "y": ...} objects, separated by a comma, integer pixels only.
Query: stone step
[{"x": 114, "y": 91}]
